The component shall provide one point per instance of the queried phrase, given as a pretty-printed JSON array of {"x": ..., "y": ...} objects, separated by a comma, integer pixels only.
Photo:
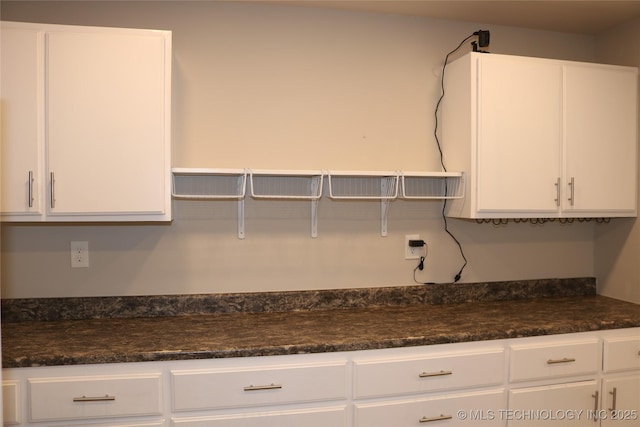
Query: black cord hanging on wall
[{"x": 482, "y": 42}]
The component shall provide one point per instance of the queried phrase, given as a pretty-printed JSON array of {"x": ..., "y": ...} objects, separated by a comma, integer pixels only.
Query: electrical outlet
[
  {"x": 79, "y": 254},
  {"x": 412, "y": 252}
]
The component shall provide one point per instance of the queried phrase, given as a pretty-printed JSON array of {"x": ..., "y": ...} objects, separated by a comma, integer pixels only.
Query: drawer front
[
  {"x": 11, "y": 402},
  {"x": 470, "y": 409},
  {"x": 446, "y": 372},
  {"x": 94, "y": 397},
  {"x": 570, "y": 404},
  {"x": 530, "y": 362},
  {"x": 264, "y": 385},
  {"x": 317, "y": 417},
  {"x": 621, "y": 354}
]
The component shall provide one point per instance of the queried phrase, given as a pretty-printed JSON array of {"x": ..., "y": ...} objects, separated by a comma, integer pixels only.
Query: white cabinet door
[
  {"x": 570, "y": 404},
  {"x": 106, "y": 122},
  {"x": 621, "y": 401},
  {"x": 519, "y": 134},
  {"x": 600, "y": 114},
  {"x": 21, "y": 143}
]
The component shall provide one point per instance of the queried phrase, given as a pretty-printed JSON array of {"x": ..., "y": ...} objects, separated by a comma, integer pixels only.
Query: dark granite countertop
[{"x": 241, "y": 334}]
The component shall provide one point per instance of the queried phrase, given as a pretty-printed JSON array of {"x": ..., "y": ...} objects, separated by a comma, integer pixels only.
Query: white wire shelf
[
  {"x": 209, "y": 184},
  {"x": 286, "y": 184},
  {"x": 379, "y": 185},
  {"x": 382, "y": 186},
  {"x": 432, "y": 185}
]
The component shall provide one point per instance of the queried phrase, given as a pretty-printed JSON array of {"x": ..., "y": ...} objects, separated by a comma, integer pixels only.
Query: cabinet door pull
[
  {"x": 596, "y": 397},
  {"x": 430, "y": 419},
  {"x": 563, "y": 360},
  {"x": 613, "y": 393},
  {"x": 30, "y": 189},
  {"x": 53, "y": 190},
  {"x": 263, "y": 387},
  {"x": 557, "y": 199},
  {"x": 572, "y": 187},
  {"x": 104, "y": 398},
  {"x": 435, "y": 374}
]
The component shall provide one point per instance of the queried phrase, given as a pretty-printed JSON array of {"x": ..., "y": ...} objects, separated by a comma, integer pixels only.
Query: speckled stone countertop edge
[
  {"x": 285, "y": 350},
  {"x": 78, "y": 308}
]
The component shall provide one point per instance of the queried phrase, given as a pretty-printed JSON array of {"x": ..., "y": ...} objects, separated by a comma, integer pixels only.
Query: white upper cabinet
[
  {"x": 600, "y": 117},
  {"x": 519, "y": 134},
  {"x": 21, "y": 122},
  {"x": 541, "y": 138},
  {"x": 101, "y": 125}
]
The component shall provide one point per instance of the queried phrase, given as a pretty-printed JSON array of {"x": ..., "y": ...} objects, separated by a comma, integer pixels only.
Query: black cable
[
  {"x": 435, "y": 131},
  {"x": 444, "y": 168}
]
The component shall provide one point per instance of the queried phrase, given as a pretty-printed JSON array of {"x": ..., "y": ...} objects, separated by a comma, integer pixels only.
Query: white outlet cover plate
[
  {"x": 79, "y": 254},
  {"x": 409, "y": 252}
]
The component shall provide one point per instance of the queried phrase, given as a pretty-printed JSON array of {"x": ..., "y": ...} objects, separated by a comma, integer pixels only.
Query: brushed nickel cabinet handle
[
  {"x": 30, "y": 189},
  {"x": 557, "y": 199},
  {"x": 263, "y": 387},
  {"x": 572, "y": 187},
  {"x": 438, "y": 418},
  {"x": 596, "y": 397},
  {"x": 104, "y": 398},
  {"x": 53, "y": 190},
  {"x": 563, "y": 360},
  {"x": 614, "y": 394},
  {"x": 435, "y": 374}
]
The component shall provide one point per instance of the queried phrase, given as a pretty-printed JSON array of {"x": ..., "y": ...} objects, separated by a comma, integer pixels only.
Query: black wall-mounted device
[{"x": 484, "y": 37}]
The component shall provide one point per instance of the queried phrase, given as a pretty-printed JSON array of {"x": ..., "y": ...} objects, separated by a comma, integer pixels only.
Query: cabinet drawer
[
  {"x": 418, "y": 375},
  {"x": 532, "y": 362},
  {"x": 469, "y": 409},
  {"x": 94, "y": 397},
  {"x": 264, "y": 385},
  {"x": 11, "y": 402},
  {"x": 621, "y": 354},
  {"x": 317, "y": 417}
]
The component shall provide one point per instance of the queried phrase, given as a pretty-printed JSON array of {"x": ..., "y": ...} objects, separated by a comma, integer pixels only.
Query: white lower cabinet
[
  {"x": 308, "y": 417},
  {"x": 451, "y": 385},
  {"x": 566, "y": 404},
  {"x": 466, "y": 409},
  {"x": 621, "y": 401},
  {"x": 621, "y": 383},
  {"x": 568, "y": 368},
  {"x": 581, "y": 379},
  {"x": 589, "y": 379}
]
